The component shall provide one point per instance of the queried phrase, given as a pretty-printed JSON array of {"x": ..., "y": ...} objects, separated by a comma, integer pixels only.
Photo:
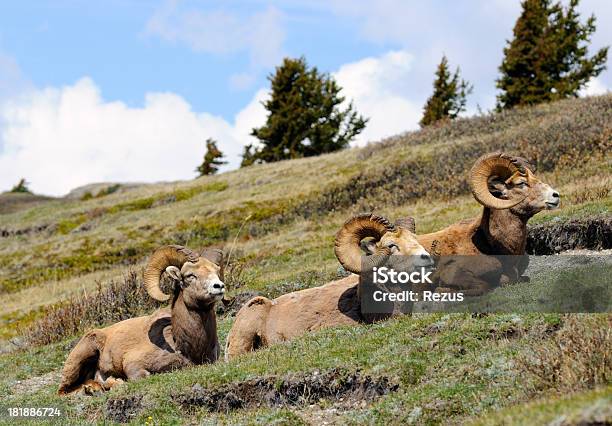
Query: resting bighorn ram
[
  {"x": 262, "y": 321},
  {"x": 510, "y": 194},
  {"x": 185, "y": 334}
]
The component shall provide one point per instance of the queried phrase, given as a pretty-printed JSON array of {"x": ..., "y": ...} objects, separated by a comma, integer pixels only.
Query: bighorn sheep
[
  {"x": 183, "y": 335},
  {"x": 511, "y": 194},
  {"x": 262, "y": 321}
]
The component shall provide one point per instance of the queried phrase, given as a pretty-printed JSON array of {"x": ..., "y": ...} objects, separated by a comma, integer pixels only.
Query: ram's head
[
  {"x": 502, "y": 181},
  {"x": 195, "y": 275},
  {"x": 377, "y": 238}
]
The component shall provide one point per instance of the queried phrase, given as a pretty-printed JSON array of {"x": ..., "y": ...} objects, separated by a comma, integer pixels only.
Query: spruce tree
[
  {"x": 448, "y": 98},
  {"x": 304, "y": 116},
  {"x": 548, "y": 57},
  {"x": 21, "y": 187},
  {"x": 248, "y": 156},
  {"x": 212, "y": 159}
]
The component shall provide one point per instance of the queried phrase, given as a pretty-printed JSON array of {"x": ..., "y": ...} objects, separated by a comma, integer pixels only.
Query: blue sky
[{"x": 114, "y": 88}]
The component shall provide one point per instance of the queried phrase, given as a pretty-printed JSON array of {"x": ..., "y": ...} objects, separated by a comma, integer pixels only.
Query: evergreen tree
[
  {"x": 449, "y": 96},
  {"x": 22, "y": 187},
  {"x": 304, "y": 116},
  {"x": 212, "y": 159},
  {"x": 548, "y": 57},
  {"x": 248, "y": 156}
]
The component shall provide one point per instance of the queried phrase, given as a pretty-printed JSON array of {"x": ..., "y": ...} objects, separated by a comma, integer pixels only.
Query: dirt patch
[
  {"x": 567, "y": 260},
  {"x": 314, "y": 414},
  {"x": 594, "y": 233},
  {"x": 34, "y": 384},
  {"x": 291, "y": 390},
  {"x": 122, "y": 410}
]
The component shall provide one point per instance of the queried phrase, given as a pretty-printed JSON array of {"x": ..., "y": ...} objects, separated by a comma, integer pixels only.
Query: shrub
[
  {"x": 108, "y": 304},
  {"x": 578, "y": 356},
  {"x": 108, "y": 190}
]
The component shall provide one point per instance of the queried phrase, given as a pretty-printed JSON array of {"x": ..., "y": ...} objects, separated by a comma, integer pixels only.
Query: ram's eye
[
  {"x": 191, "y": 277},
  {"x": 393, "y": 246},
  {"x": 522, "y": 185}
]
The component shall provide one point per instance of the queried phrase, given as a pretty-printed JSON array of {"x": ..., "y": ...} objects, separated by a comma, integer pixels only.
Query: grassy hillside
[{"x": 279, "y": 220}]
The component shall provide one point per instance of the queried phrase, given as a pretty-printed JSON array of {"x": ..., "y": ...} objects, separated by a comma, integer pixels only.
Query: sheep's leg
[
  {"x": 240, "y": 341},
  {"x": 476, "y": 288},
  {"x": 110, "y": 382},
  {"x": 106, "y": 383},
  {"x": 81, "y": 363},
  {"x": 91, "y": 387},
  {"x": 476, "y": 291},
  {"x": 135, "y": 371},
  {"x": 245, "y": 335}
]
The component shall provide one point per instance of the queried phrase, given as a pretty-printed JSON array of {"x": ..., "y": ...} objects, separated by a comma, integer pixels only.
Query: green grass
[
  {"x": 463, "y": 369},
  {"x": 581, "y": 408}
]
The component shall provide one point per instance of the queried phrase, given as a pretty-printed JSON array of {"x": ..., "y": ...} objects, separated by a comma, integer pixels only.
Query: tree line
[{"x": 547, "y": 59}]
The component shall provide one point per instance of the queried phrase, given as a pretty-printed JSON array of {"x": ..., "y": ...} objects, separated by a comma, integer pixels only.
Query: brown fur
[
  {"x": 262, "y": 322},
  {"x": 183, "y": 335},
  {"x": 495, "y": 232}
]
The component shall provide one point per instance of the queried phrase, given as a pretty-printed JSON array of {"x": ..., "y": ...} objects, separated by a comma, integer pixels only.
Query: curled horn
[
  {"x": 346, "y": 245},
  {"x": 159, "y": 261},
  {"x": 494, "y": 164}
]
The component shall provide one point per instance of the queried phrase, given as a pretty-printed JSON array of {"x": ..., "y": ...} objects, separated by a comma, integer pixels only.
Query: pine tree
[
  {"x": 449, "y": 96},
  {"x": 212, "y": 159},
  {"x": 304, "y": 116},
  {"x": 21, "y": 187},
  {"x": 248, "y": 156},
  {"x": 548, "y": 58}
]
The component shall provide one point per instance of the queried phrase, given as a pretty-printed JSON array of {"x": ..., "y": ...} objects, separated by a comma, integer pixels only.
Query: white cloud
[
  {"x": 594, "y": 87},
  {"x": 472, "y": 33},
  {"x": 253, "y": 115},
  {"x": 60, "y": 138},
  {"x": 377, "y": 86},
  {"x": 261, "y": 35}
]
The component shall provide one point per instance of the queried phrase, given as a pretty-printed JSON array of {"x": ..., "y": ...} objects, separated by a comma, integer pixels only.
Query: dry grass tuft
[
  {"x": 234, "y": 274},
  {"x": 578, "y": 356}
]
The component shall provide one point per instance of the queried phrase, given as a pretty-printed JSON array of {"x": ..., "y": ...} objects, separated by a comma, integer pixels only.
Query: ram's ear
[
  {"x": 175, "y": 273},
  {"x": 407, "y": 223},
  {"x": 368, "y": 246},
  {"x": 214, "y": 255},
  {"x": 497, "y": 187}
]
